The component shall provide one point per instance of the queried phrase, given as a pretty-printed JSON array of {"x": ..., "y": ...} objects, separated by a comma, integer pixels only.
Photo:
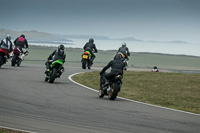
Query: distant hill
[
  {"x": 43, "y": 37},
  {"x": 33, "y": 36}
]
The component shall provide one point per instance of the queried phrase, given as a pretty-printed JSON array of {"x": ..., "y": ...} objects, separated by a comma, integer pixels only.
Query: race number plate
[{"x": 85, "y": 56}]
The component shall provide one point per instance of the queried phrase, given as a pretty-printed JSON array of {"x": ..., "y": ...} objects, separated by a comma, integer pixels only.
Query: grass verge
[
  {"x": 173, "y": 90},
  {"x": 176, "y": 63},
  {"x": 4, "y": 130}
]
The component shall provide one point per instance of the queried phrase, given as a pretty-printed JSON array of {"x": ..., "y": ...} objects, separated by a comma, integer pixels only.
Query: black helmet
[
  {"x": 91, "y": 40},
  {"x": 118, "y": 57},
  {"x": 22, "y": 35},
  {"x": 61, "y": 47}
]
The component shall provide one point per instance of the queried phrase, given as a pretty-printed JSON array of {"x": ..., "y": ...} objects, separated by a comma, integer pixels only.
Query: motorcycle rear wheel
[
  {"x": 1, "y": 61},
  {"x": 84, "y": 64},
  {"x": 13, "y": 62},
  {"x": 114, "y": 89},
  {"x": 19, "y": 62}
]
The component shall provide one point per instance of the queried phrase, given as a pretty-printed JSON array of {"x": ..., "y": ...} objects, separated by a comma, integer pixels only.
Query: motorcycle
[
  {"x": 111, "y": 88},
  {"x": 18, "y": 56},
  {"x": 124, "y": 60},
  {"x": 86, "y": 60},
  {"x": 56, "y": 69},
  {"x": 3, "y": 56}
]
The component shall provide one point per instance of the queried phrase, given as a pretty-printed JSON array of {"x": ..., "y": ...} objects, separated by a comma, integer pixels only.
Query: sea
[{"x": 190, "y": 49}]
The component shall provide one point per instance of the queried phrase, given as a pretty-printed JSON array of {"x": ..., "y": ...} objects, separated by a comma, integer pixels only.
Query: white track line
[
  {"x": 70, "y": 78},
  {"x": 16, "y": 129}
]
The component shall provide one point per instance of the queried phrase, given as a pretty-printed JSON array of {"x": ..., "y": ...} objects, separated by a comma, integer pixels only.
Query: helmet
[
  {"x": 22, "y": 35},
  {"x": 91, "y": 40},
  {"x": 123, "y": 44},
  {"x": 8, "y": 37},
  {"x": 61, "y": 47},
  {"x": 118, "y": 57}
]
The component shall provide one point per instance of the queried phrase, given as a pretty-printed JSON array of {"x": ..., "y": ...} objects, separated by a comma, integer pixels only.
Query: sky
[{"x": 150, "y": 20}]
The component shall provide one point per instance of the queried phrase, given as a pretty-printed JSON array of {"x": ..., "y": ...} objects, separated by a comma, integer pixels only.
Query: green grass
[
  {"x": 4, "y": 130},
  {"x": 38, "y": 55},
  {"x": 174, "y": 90}
]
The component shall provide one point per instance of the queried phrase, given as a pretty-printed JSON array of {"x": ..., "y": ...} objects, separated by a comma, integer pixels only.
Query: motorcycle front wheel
[
  {"x": 101, "y": 93},
  {"x": 19, "y": 62},
  {"x": 53, "y": 75},
  {"x": 46, "y": 79}
]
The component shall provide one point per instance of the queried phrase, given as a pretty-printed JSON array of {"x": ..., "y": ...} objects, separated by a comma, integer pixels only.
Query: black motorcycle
[{"x": 111, "y": 88}]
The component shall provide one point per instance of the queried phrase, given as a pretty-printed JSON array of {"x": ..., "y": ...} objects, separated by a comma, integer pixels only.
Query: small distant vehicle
[
  {"x": 3, "y": 56},
  {"x": 112, "y": 88},
  {"x": 56, "y": 69},
  {"x": 86, "y": 60},
  {"x": 18, "y": 56}
]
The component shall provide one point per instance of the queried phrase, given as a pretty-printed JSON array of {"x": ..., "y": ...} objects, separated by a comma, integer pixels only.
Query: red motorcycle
[
  {"x": 18, "y": 56},
  {"x": 3, "y": 56}
]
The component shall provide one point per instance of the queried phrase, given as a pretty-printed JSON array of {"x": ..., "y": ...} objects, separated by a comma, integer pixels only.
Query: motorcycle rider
[
  {"x": 21, "y": 42},
  {"x": 155, "y": 69},
  {"x": 90, "y": 46},
  {"x": 57, "y": 54},
  {"x": 117, "y": 67},
  {"x": 124, "y": 50},
  {"x": 7, "y": 44}
]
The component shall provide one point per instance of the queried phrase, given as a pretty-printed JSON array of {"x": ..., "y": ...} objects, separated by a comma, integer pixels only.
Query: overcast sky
[{"x": 158, "y": 20}]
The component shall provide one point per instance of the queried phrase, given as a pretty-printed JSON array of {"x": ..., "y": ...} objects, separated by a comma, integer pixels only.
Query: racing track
[{"x": 29, "y": 103}]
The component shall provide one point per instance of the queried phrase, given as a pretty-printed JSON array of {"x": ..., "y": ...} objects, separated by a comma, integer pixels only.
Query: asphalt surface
[{"x": 28, "y": 103}]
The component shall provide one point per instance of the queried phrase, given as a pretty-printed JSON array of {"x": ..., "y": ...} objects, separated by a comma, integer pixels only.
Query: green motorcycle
[{"x": 55, "y": 71}]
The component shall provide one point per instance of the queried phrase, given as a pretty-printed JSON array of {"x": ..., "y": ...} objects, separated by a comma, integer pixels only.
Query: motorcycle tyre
[
  {"x": 1, "y": 61},
  {"x": 114, "y": 89},
  {"x": 101, "y": 93},
  {"x": 46, "y": 79},
  {"x": 19, "y": 62},
  {"x": 89, "y": 64},
  {"x": 53, "y": 75},
  {"x": 84, "y": 64},
  {"x": 13, "y": 62}
]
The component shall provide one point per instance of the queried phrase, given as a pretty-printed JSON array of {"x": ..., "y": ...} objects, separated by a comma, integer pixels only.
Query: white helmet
[
  {"x": 123, "y": 44},
  {"x": 8, "y": 37}
]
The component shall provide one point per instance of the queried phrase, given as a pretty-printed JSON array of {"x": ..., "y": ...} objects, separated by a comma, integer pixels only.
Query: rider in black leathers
[
  {"x": 124, "y": 50},
  {"x": 117, "y": 67},
  {"x": 90, "y": 46},
  {"x": 21, "y": 42},
  {"x": 57, "y": 54}
]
